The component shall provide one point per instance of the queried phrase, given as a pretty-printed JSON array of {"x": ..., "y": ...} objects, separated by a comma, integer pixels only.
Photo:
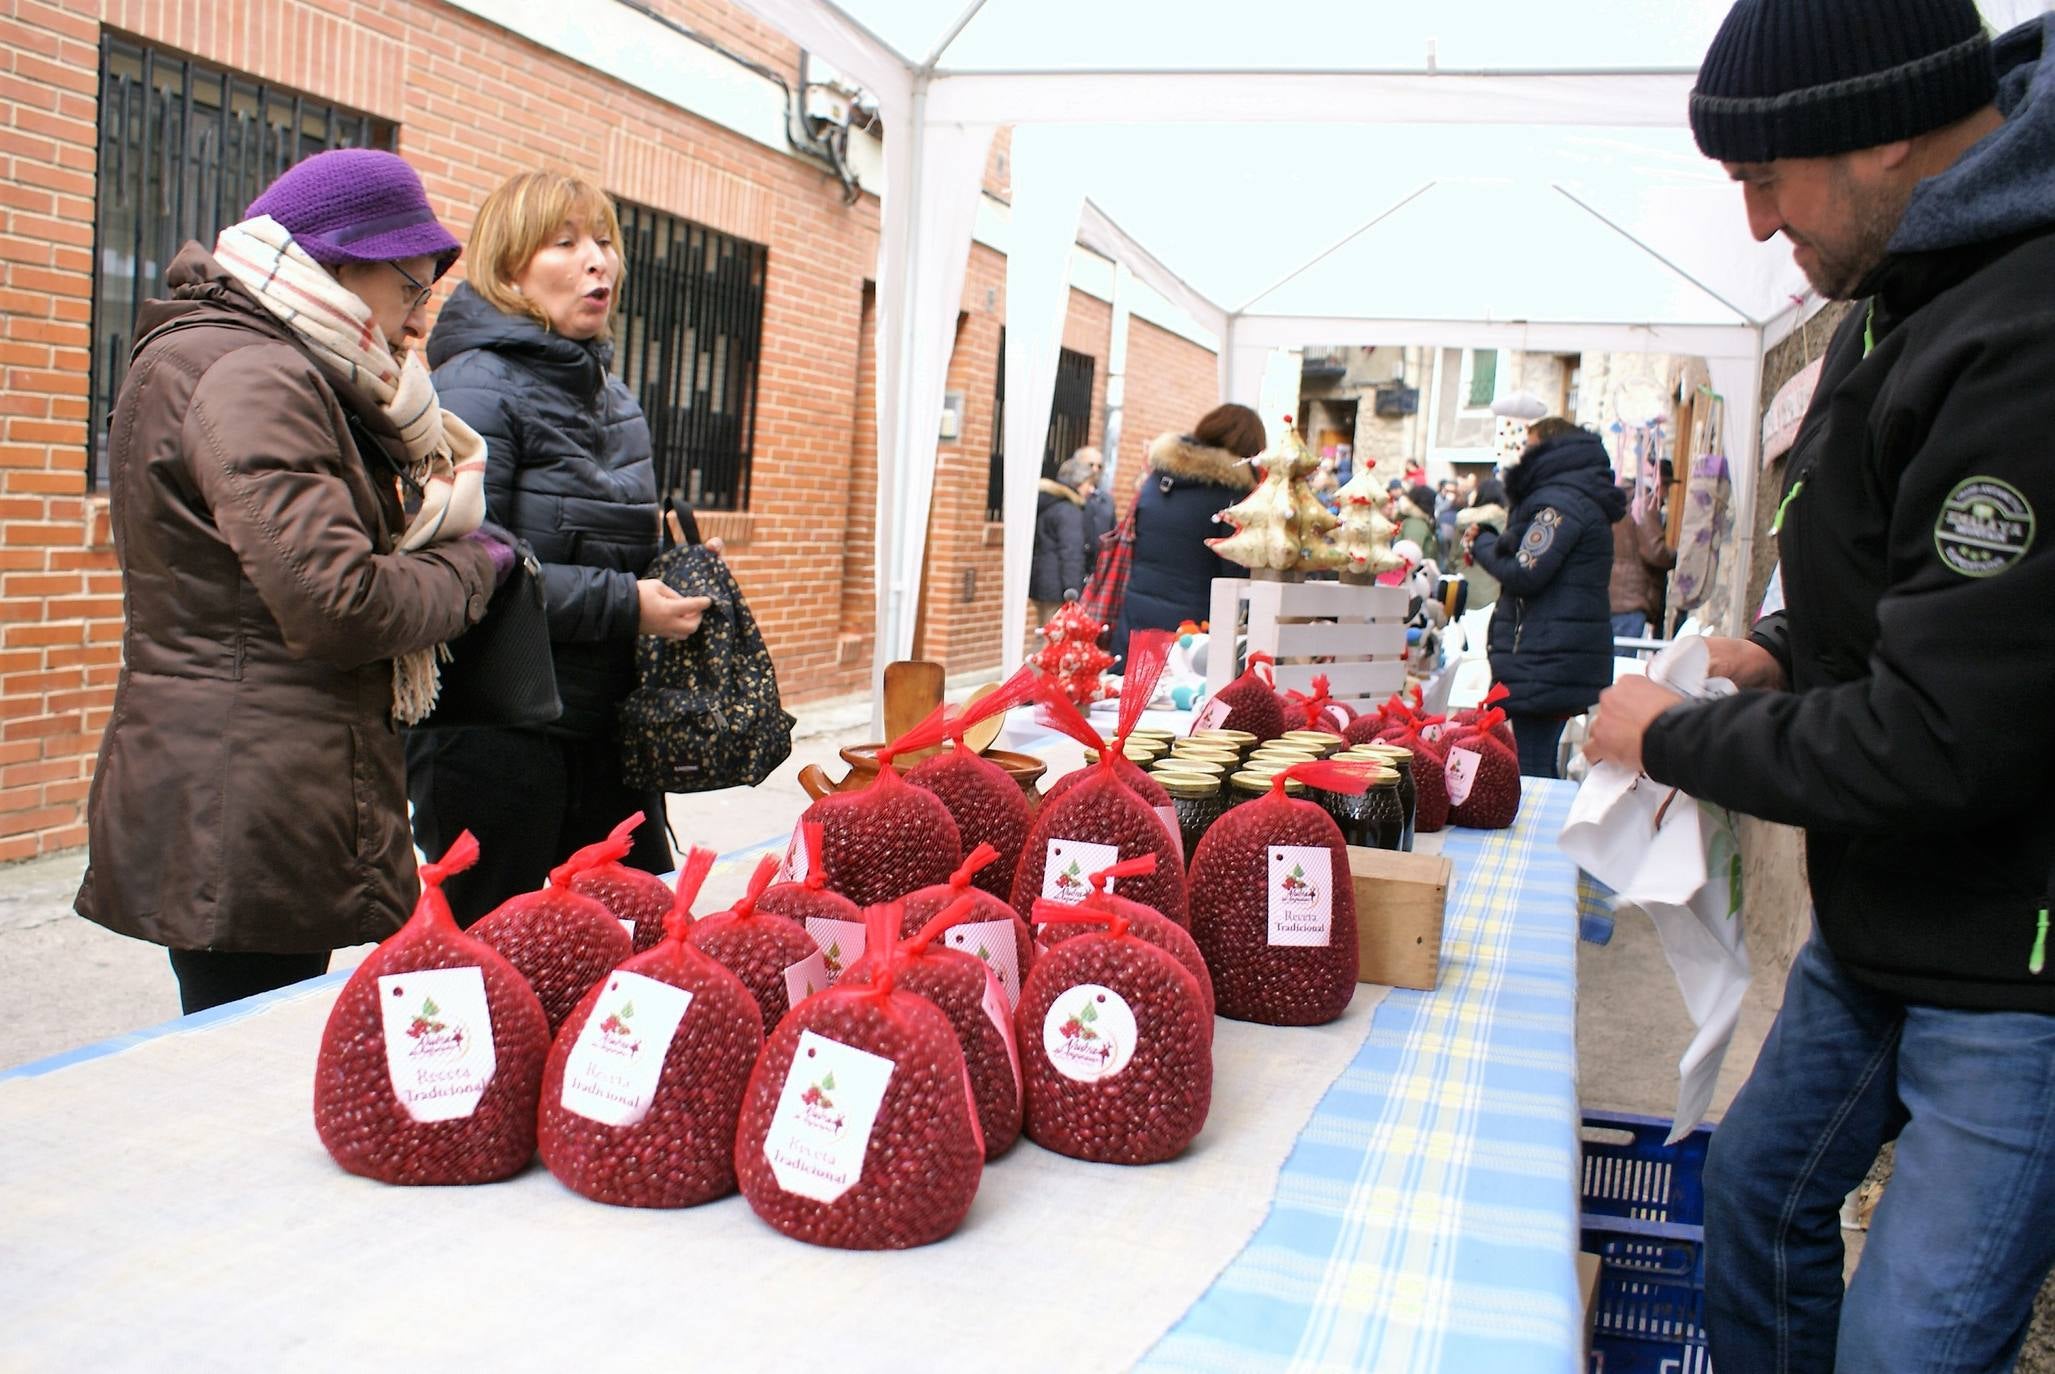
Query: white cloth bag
[{"x": 1677, "y": 860}]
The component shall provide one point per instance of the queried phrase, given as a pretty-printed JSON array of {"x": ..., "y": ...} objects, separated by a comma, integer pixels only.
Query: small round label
[
  {"x": 1985, "y": 526},
  {"x": 1089, "y": 1033}
]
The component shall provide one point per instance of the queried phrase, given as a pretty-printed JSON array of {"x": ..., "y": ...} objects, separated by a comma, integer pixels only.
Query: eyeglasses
[{"x": 421, "y": 293}]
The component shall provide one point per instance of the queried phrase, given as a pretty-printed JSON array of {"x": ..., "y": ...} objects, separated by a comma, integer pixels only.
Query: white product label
[
  {"x": 1168, "y": 815},
  {"x": 1336, "y": 715},
  {"x": 1301, "y": 894},
  {"x": 611, "y": 1074},
  {"x": 825, "y": 1113},
  {"x": 793, "y": 868},
  {"x": 805, "y": 978},
  {"x": 1067, "y": 875},
  {"x": 1462, "y": 774},
  {"x": 1001, "y": 1011},
  {"x": 1211, "y": 716},
  {"x": 993, "y": 942},
  {"x": 1089, "y": 1033},
  {"x": 438, "y": 1040},
  {"x": 841, "y": 943},
  {"x": 627, "y": 927}
]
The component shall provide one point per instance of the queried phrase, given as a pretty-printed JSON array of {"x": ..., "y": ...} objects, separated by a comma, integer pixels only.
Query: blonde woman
[
  {"x": 249, "y": 806},
  {"x": 521, "y": 351}
]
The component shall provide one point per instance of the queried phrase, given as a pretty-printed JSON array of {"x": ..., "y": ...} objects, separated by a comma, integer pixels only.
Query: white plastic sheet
[{"x": 1677, "y": 860}]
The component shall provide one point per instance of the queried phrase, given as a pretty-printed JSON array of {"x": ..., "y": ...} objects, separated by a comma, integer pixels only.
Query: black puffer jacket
[
  {"x": 1060, "y": 562},
  {"x": 1552, "y": 635},
  {"x": 569, "y": 470}
]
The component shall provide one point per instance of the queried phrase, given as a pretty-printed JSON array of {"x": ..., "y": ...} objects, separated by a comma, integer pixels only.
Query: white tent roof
[{"x": 1483, "y": 172}]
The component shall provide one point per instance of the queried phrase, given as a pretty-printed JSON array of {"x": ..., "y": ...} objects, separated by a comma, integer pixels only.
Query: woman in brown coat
[{"x": 249, "y": 805}]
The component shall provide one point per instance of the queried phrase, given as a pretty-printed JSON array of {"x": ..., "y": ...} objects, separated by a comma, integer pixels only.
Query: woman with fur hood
[
  {"x": 1552, "y": 633},
  {"x": 1191, "y": 478}
]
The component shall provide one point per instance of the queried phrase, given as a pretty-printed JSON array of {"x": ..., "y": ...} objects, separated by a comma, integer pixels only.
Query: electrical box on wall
[{"x": 951, "y": 427}]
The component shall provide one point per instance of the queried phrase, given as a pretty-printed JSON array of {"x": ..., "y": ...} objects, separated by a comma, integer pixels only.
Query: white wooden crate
[{"x": 1355, "y": 636}]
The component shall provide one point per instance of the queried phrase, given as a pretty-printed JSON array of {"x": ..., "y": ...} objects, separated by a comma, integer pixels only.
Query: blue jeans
[
  {"x": 1630, "y": 625},
  {"x": 1536, "y": 740},
  {"x": 1966, "y": 1229}
]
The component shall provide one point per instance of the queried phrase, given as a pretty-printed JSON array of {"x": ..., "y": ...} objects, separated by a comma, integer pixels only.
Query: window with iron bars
[
  {"x": 687, "y": 341},
  {"x": 1070, "y": 422},
  {"x": 184, "y": 148}
]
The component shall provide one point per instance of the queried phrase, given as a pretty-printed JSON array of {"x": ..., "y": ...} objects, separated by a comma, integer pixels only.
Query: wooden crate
[
  {"x": 1352, "y": 635},
  {"x": 1399, "y": 904}
]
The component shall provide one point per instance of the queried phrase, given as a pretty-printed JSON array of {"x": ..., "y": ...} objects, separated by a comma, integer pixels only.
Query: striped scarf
[{"x": 445, "y": 457}]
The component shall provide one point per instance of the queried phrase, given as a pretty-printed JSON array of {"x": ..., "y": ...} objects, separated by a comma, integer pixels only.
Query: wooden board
[{"x": 1400, "y": 899}]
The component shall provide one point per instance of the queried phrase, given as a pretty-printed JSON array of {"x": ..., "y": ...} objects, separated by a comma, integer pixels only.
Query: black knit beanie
[{"x": 1813, "y": 78}]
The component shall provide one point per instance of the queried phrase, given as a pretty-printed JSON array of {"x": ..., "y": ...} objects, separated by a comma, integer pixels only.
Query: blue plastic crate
[
  {"x": 1649, "y": 1315},
  {"x": 1629, "y": 1172}
]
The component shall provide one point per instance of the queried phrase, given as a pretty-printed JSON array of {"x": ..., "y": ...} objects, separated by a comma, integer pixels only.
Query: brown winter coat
[
  {"x": 250, "y": 793},
  {"x": 1641, "y": 559}
]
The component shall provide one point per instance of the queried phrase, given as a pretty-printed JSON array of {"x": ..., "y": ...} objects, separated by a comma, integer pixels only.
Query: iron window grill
[
  {"x": 688, "y": 335},
  {"x": 184, "y": 147},
  {"x": 1070, "y": 422}
]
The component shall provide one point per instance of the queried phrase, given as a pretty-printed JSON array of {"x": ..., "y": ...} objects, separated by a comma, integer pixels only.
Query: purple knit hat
[{"x": 357, "y": 205}]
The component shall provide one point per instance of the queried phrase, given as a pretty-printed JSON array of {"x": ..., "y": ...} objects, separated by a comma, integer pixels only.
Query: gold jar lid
[
  {"x": 1213, "y": 768},
  {"x": 1326, "y": 741},
  {"x": 1380, "y": 749},
  {"x": 1131, "y": 752},
  {"x": 1192, "y": 786},
  {"x": 1205, "y": 749},
  {"x": 1241, "y": 739},
  {"x": 1254, "y": 780},
  {"x": 1228, "y": 762},
  {"x": 1290, "y": 753},
  {"x": 1153, "y": 732}
]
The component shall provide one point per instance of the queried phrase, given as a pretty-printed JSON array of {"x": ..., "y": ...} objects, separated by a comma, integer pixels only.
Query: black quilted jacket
[{"x": 569, "y": 470}]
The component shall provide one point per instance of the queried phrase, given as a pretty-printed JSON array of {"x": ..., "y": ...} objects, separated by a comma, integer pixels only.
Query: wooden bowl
[{"x": 862, "y": 759}]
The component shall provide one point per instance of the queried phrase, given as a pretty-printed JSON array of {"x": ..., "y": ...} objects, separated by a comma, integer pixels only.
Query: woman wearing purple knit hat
[{"x": 249, "y": 807}]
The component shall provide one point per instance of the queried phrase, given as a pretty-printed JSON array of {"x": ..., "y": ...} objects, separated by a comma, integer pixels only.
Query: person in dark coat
[
  {"x": 521, "y": 352},
  {"x": 249, "y": 809},
  {"x": 1552, "y": 636},
  {"x": 1099, "y": 515},
  {"x": 1191, "y": 478},
  {"x": 1060, "y": 563},
  {"x": 1897, "y": 708}
]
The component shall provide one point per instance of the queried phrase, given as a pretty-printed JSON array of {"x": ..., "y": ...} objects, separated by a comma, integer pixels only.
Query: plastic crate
[
  {"x": 1629, "y": 1172},
  {"x": 1649, "y": 1316}
]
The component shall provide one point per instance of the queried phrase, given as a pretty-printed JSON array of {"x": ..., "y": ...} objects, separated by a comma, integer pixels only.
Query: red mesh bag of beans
[
  {"x": 1483, "y": 775},
  {"x": 431, "y": 1062},
  {"x": 984, "y": 926},
  {"x": 562, "y": 943},
  {"x": 805, "y": 899},
  {"x": 887, "y": 837},
  {"x": 1144, "y": 921},
  {"x": 1319, "y": 711},
  {"x": 1273, "y": 906},
  {"x": 1502, "y": 728},
  {"x": 644, "y": 1085},
  {"x": 639, "y": 899},
  {"x": 1147, "y": 655},
  {"x": 1248, "y": 703},
  {"x": 1396, "y": 723},
  {"x": 773, "y": 956},
  {"x": 1096, "y": 824},
  {"x": 859, "y": 1130},
  {"x": 1117, "y": 1044},
  {"x": 968, "y": 992},
  {"x": 983, "y": 799}
]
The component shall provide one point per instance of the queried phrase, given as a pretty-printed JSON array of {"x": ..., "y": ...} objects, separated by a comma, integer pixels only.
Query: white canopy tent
[{"x": 1475, "y": 173}]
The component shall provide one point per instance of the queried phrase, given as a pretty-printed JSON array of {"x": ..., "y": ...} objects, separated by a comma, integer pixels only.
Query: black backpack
[{"x": 705, "y": 712}]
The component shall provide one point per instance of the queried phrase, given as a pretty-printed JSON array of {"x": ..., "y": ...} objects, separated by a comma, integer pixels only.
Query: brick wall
[{"x": 468, "y": 100}]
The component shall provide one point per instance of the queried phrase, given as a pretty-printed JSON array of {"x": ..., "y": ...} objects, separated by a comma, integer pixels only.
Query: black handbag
[
  {"x": 500, "y": 671},
  {"x": 705, "y": 712}
]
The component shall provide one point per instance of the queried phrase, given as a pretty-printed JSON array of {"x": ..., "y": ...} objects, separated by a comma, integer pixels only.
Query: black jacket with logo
[{"x": 1917, "y": 745}]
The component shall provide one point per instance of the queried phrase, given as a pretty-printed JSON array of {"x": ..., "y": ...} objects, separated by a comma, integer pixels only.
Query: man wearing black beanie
[{"x": 1902, "y": 708}]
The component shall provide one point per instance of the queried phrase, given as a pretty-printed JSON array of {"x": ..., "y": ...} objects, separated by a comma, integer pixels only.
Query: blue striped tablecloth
[{"x": 1427, "y": 1218}]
